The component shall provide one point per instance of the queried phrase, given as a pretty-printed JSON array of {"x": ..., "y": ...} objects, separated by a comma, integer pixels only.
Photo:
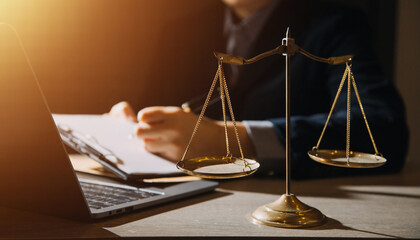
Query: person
[{"x": 257, "y": 92}]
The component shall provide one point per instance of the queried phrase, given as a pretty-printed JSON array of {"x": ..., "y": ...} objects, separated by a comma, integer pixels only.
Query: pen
[
  {"x": 172, "y": 179},
  {"x": 196, "y": 104}
]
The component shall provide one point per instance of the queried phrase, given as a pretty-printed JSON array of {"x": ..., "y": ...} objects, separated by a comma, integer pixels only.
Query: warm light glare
[{"x": 89, "y": 55}]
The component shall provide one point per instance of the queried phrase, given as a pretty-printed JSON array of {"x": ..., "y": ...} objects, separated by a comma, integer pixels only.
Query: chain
[
  {"x": 343, "y": 79},
  {"x": 231, "y": 114},
  {"x": 348, "y": 74},
  {"x": 224, "y": 94},
  {"x": 203, "y": 110},
  {"x": 363, "y": 113},
  {"x": 222, "y": 97},
  {"x": 348, "y": 114}
]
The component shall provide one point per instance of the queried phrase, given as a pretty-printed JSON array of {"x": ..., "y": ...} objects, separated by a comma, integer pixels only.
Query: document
[{"x": 111, "y": 142}]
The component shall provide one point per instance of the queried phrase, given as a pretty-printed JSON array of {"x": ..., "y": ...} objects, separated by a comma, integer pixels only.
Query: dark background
[{"x": 88, "y": 55}]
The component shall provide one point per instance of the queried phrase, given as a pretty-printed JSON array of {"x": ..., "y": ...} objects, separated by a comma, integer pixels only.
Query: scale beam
[{"x": 290, "y": 49}]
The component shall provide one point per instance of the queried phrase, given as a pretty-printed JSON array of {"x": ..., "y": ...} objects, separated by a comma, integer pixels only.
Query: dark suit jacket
[{"x": 324, "y": 30}]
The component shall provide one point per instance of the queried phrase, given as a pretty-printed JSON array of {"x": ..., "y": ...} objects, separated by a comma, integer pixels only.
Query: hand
[
  {"x": 166, "y": 132},
  {"x": 123, "y": 110}
]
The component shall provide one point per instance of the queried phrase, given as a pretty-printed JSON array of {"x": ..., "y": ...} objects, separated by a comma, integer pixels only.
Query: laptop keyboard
[{"x": 101, "y": 196}]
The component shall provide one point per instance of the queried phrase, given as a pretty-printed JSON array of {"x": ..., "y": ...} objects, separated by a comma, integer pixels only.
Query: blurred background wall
[
  {"x": 407, "y": 70},
  {"x": 90, "y": 54}
]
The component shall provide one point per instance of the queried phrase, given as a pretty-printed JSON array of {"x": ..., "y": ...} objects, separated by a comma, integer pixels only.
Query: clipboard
[{"x": 110, "y": 142}]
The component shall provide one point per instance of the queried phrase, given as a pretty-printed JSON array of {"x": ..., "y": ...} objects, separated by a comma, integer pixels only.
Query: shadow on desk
[
  {"x": 387, "y": 185},
  {"x": 149, "y": 212},
  {"x": 333, "y": 224},
  {"x": 22, "y": 224},
  {"x": 381, "y": 206}
]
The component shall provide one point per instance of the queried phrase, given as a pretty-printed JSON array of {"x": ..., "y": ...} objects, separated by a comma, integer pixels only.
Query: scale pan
[
  {"x": 338, "y": 158},
  {"x": 218, "y": 167}
]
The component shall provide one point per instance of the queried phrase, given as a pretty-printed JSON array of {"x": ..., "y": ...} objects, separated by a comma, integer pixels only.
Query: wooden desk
[{"x": 368, "y": 207}]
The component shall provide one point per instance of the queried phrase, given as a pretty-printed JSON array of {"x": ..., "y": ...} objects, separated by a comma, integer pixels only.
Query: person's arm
[{"x": 166, "y": 132}]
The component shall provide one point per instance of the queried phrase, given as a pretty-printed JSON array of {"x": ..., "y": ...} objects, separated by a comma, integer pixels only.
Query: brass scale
[{"x": 287, "y": 211}]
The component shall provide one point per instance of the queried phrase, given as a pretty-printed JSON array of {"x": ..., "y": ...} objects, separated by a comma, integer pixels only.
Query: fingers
[
  {"x": 145, "y": 130},
  {"x": 157, "y": 122},
  {"x": 123, "y": 110},
  {"x": 156, "y": 145},
  {"x": 165, "y": 149},
  {"x": 165, "y": 130},
  {"x": 157, "y": 114}
]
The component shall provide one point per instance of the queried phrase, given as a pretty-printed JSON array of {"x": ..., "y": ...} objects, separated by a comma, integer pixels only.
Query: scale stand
[{"x": 288, "y": 211}]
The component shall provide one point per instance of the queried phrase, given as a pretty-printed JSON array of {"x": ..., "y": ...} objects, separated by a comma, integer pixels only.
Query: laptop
[{"x": 35, "y": 171}]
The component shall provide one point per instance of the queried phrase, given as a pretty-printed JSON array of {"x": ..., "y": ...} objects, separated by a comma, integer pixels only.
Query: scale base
[{"x": 288, "y": 212}]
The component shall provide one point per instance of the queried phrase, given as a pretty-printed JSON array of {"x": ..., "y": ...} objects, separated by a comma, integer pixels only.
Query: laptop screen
[{"x": 35, "y": 172}]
